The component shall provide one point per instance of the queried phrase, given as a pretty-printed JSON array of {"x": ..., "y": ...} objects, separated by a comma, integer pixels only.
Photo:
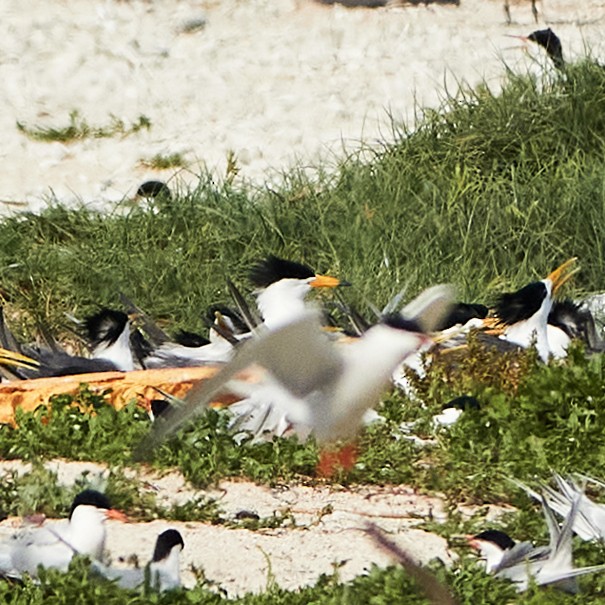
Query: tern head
[
  {"x": 154, "y": 189},
  {"x": 282, "y": 286},
  {"x": 514, "y": 307},
  {"x": 109, "y": 333},
  {"x": 106, "y": 326},
  {"x": 274, "y": 269},
  {"x": 165, "y": 543},
  {"x": 575, "y": 321},
  {"x": 550, "y": 42},
  {"x": 492, "y": 545},
  {"x": 228, "y": 318},
  {"x": 93, "y": 505}
]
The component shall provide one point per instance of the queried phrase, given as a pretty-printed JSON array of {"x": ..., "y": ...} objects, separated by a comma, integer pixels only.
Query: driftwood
[{"x": 124, "y": 387}]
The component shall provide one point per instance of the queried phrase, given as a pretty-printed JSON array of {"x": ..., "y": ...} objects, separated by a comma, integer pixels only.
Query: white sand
[
  {"x": 328, "y": 529},
  {"x": 270, "y": 80}
]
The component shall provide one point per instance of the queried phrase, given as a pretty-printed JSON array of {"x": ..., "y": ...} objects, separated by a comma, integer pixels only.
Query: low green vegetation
[
  {"x": 78, "y": 128},
  {"x": 162, "y": 161},
  {"x": 489, "y": 192}
]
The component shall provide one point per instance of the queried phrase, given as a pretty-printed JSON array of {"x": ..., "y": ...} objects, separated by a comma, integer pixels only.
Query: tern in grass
[
  {"x": 161, "y": 573},
  {"x": 54, "y": 545},
  {"x": 281, "y": 287},
  {"x": 324, "y": 387},
  {"x": 108, "y": 332},
  {"x": 523, "y": 315},
  {"x": 523, "y": 563}
]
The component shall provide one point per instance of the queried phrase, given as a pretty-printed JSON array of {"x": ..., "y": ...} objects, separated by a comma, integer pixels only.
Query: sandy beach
[{"x": 269, "y": 83}]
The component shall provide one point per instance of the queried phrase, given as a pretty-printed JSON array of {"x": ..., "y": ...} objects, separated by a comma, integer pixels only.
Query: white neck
[
  {"x": 492, "y": 554},
  {"x": 119, "y": 352},
  {"x": 167, "y": 571},
  {"x": 282, "y": 302},
  {"x": 525, "y": 332},
  {"x": 86, "y": 532}
]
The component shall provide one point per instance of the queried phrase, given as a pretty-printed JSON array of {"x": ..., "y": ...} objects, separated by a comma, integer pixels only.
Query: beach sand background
[{"x": 268, "y": 82}]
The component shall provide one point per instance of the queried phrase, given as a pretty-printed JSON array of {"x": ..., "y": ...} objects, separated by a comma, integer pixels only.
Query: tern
[
  {"x": 54, "y": 545},
  {"x": 324, "y": 387},
  {"x": 109, "y": 334},
  {"x": 523, "y": 563},
  {"x": 161, "y": 573},
  {"x": 282, "y": 286},
  {"x": 523, "y": 315},
  {"x": 589, "y": 523}
]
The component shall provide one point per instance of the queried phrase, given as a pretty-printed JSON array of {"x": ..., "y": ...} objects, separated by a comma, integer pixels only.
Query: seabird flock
[{"x": 312, "y": 378}]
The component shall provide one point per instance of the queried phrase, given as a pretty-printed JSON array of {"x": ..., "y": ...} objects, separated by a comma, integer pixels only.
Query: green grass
[
  {"x": 78, "y": 128},
  {"x": 162, "y": 161},
  {"x": 487, "y": 193}
]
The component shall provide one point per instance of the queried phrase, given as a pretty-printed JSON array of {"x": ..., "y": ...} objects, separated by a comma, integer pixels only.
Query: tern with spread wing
[
  {"x": 523, "y": 563},
  {"x": 324, "y": 387}
]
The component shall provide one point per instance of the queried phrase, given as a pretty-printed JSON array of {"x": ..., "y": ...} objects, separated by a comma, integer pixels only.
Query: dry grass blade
[{"x": 435, "y": 591}]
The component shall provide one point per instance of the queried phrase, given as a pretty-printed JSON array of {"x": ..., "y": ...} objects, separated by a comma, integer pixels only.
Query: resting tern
[
  {"x": 109, "y": 334},
  {"x": 324, "y": 387},
  {"x": 282, "y": 286},
  {"x": 523, "y": 314},
  {"x": 550, "y": 42},
  {"x": 161, "y": 573},
  {"x": 523, "y": 563},
  {"x": 54, "y": 545},
  {"x": 569, "y": 321}
]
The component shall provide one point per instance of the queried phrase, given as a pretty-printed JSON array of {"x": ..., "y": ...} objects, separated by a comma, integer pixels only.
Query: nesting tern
[
  {"x": 109, "y": 334},
  {"x": 54, "y": 545},
  {"x": 522, "y": 563},
  {"x": 161, "y": 573},
  {"x": 523, "y": 315},
  {"x": 282, "y": 286},
  {"x": 324, "y": 387}
]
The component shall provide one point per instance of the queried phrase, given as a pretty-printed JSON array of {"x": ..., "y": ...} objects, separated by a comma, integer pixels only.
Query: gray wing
[
  {"x": 430, "y": 306},
  {"x": 299, "y": 356}
]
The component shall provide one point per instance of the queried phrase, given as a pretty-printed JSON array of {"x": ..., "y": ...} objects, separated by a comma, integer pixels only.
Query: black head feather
[
  {"x": 166, "y": 541},
  {"x": 499, "y": 538},
  {"x": 106, "y": 326},
  {"x": 522, "y": 304},
  {"x": 464, "y": 402},
  {"x": 576, "y": 321},
  {"x": 159, "y": 407},
  {"x": 550, "y": 42},
  {"x": 398, "y": 321},
  {"x": 461, "y": 313},
  {"x": 273, "y": 269},
  {"x": 154, "y": 189},
  {"x": 190, "y": 339},
  {"x": 89, "y": 497}
]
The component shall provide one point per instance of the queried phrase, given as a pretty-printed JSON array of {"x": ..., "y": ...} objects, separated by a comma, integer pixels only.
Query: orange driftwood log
[{"x": 124, "y": 386}]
